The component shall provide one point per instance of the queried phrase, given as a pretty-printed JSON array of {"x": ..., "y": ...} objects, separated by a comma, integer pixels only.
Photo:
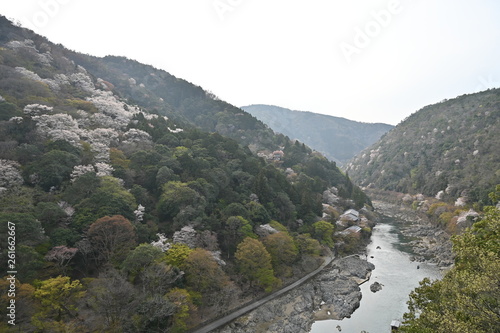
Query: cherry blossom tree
[
  {"x": 104, "y": 169},
  {"x": 33, "y": 110},
  {"x": 162, "y": 243},
  {"x": 80, "y": 170},
  {"x": 62, "y": 255},
  {"x": 139, "y": 213},
  {"x": 9, "y": 174}
]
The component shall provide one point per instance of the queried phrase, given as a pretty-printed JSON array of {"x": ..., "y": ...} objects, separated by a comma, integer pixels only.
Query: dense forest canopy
[
  {"x": 125, "y": 185},
  {"x": 448, "y": 150}
]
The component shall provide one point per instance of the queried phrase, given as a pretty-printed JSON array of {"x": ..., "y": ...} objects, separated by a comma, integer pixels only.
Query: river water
[{"x": 398, "y": 275}]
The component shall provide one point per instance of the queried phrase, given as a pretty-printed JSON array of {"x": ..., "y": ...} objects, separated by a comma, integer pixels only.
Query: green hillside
[{"x": 452, "y": 146}]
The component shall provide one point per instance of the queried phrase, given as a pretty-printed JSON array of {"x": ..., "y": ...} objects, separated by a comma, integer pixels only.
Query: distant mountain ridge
[
  {"x": 449, "y": 149},
  {"x": 337, "y": 138}
]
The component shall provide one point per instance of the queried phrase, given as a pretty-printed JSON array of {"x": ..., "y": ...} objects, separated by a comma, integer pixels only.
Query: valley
[{"x": 144, "y": 203}]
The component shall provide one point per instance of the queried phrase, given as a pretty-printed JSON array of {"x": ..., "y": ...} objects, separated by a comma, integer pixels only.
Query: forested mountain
[
  {"x": 141, "y": 203},
  {"x": 448, "y": 150},
  {"x": 339, "y": 139}
]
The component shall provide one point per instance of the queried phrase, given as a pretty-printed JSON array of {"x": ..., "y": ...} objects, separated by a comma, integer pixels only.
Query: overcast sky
[{"x": 365, "y": 60}]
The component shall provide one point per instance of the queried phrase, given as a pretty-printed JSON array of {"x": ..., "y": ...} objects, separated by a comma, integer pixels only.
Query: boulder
[{"x": 375, "y": 286}]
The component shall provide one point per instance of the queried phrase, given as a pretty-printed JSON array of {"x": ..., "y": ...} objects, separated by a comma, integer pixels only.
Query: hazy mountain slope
[
  {"x": 337, "y": 138},
  {"x": 183, "y": 101},
  {"x": 97, "y": 182},
  {"x": 452, "y": 146}
]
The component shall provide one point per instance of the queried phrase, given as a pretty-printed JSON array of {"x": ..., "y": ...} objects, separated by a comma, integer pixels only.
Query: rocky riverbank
[
  {"x": 333, "y": 294},
  {"x": 429, "y": 242}
]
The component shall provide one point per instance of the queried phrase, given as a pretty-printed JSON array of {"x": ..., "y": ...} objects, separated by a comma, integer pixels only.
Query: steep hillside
[
  {"x": 450, "y": 149},
  {"x": 119, "y": 202},
  {"x": 339, "y": 139},
  {"x": 164, "y": 94}
]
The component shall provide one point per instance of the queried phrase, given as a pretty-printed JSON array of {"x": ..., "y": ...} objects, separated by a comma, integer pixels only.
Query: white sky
[{"x": 365, "y": 60}]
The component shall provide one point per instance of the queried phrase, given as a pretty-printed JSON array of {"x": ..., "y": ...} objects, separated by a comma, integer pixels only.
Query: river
[{"x": 398, "y": 275}]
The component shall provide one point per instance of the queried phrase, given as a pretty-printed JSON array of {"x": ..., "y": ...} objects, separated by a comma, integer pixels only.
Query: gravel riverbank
[{"x": 429, "y": 242}]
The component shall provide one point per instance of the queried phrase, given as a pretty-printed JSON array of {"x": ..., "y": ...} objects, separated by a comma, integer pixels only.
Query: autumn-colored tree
[
  {"x": 112, "y": 237},
  {"x": 254, "y": 263},
  {"x": 118, "y": 158},
  {"x": 203, "y": 273},
  {"x": 283, "y": 252},
  {"x": 25, "y": 305}
]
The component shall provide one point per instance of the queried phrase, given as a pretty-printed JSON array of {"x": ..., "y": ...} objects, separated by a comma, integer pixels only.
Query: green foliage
[
  {"x": 183, "y": 301},
  {"x": 52, "y": 169},
  {"x": 323, "y": 231},
  {"x": 58, "y": 297},
  {"x": 139, "y": 258},
  {"x": 308, "y": 245},
  {"x": 467, "y": 299},
  {"x": 177, "y": 255},
  {"x": 283, "y": 251},
  {"x": 175, "y": 196},
  {"x": 254, "y": 263},
  {"x": 28, "y": 229},
  {"x": 8, "y": 110},
  {"x": 110, "y": 198}
]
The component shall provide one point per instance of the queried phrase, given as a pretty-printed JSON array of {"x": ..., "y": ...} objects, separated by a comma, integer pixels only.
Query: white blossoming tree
[
  {"x": 59, "y": 126},
  {"x": 33, "y": 110},
  {"x": 9, "y": 174},
  {"x": 134, "y": 135},
  {"x": 162, "y": 243},
  {"x": 80, "y": 170},
  {"x": 139, "y": 213},
  {"x": 104, "y": 169}
]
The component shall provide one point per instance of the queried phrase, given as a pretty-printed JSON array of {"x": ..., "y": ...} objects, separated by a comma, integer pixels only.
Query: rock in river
[{"x": 375, "y": 286}]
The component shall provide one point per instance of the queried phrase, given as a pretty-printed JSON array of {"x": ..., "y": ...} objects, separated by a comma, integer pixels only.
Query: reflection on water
[{"x": 398, "y": 275}]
